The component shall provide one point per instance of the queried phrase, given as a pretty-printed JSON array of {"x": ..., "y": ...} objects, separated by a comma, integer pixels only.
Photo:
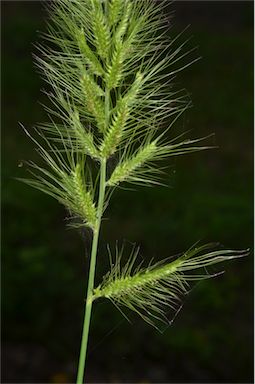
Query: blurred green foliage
[{"x": 209, "y": 198}]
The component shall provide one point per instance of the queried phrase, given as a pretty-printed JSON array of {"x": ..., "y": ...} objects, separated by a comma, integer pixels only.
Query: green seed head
[{"x": 83, "y": 202}]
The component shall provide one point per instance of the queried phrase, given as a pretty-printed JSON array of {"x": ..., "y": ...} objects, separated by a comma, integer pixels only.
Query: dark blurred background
[{"x": 209, "y": 198}]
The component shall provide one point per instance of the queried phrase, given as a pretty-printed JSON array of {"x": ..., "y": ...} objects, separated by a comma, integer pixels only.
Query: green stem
[{"x": 92, "y": 267}]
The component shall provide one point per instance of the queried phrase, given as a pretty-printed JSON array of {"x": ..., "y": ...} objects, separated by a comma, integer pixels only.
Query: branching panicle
[{"x": 110, "y": 66}]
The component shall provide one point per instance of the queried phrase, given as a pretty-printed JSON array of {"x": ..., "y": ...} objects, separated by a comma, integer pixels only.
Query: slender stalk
[{"x": 92, "y": 267}]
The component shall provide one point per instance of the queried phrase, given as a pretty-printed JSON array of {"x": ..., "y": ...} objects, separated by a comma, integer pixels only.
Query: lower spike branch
[{"x": 147, "y": 290}]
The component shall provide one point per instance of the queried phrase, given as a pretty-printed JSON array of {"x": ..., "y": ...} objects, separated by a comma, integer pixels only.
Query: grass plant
[{"x": 111, "y": 68}]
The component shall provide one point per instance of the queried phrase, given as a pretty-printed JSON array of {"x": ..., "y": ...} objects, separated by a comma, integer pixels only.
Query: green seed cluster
[
  {"x": 116, "y": 67},
  {"x": 101, "y": 32},
  {"x": 126, "y": 169},
  {"x": 83, "y": 202},
  {"x": 114, "y": 134},
  {"x": 87, "y": 142},
  {"x": 93, "y": 100},
  {"x": 123, "y": 24},
  {"x": 86, "y": 139},
  {"x": 122, "y": 286},
  {"x": 147, "y": 291},
  {"x": 119, "y": 121},
  {"x": 114, "y": 72},
  {"x": 88, "y": 54},
  {"x": 115, "y": 8}
]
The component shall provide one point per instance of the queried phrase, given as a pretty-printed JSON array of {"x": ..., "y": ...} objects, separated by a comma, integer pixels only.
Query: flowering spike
[{"x": 148, "y": 290}]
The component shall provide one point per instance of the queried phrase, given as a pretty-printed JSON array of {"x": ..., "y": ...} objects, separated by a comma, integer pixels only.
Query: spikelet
[
  {"x": 115, "y": 8},
  {"x": 125, "y": 170},
  {"x": 130, "y": 96},
  {"x": 88, "y": 146},
  {"x": 93, "y": 94},
  {"x": 89, "y": 55},
  {"x": 101, "y": 30},
  {"x": 124, "y": 22},
  {"x": 83, "y": 203},
  {"x": 123, "y": 107},
  {"x": 85, "y": 139},
  {"x": 90, "y": 86},
  {"x": 148, "y": 290},
  {"x": 64, "y": 179},
  {"x": 114, "y": 71},
  {"x": 116, "y": 67},
  {"x": 114, "y": 134}
]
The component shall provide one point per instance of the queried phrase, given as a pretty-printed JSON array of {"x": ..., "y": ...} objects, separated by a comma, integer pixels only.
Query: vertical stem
[{"x": 92, "y": 267}]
